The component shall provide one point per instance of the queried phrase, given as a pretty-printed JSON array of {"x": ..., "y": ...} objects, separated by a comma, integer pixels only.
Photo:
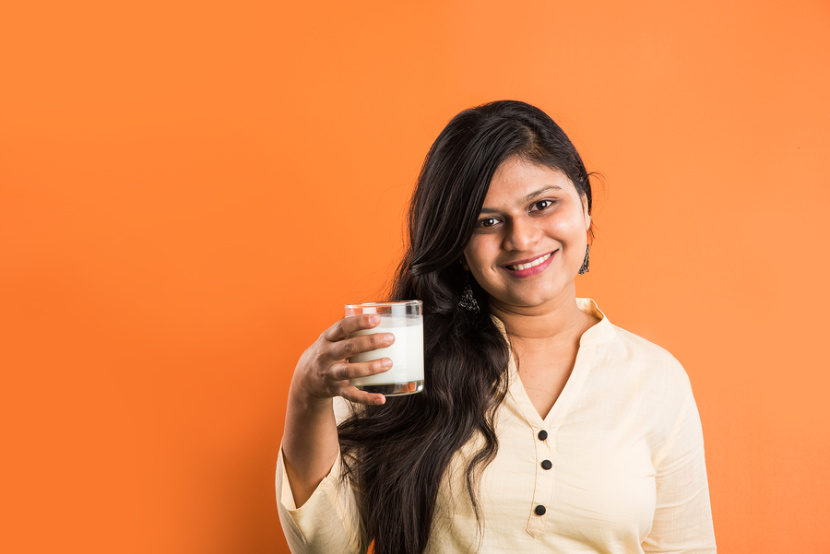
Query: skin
[{"x": 531, "y": 210}]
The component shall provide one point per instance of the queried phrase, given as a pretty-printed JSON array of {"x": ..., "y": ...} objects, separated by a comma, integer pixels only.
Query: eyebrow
[{"x": 527, "y": 198}]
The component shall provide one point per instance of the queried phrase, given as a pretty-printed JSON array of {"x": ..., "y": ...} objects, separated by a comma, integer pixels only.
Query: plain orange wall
[{"x": 190, "y": 191}]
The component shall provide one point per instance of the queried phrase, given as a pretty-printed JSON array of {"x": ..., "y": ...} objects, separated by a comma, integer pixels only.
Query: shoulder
[
  {"x": 621, "y": 357},
  {"x": 652, "y": 365},
  {"x": 645, "y": 380},
  {"x": 645, "y": 349}
]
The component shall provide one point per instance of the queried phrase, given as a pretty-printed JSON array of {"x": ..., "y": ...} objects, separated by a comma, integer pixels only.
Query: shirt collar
[
  {"x": 602, "y": 331},
  {"x": 599, "y": 333}
]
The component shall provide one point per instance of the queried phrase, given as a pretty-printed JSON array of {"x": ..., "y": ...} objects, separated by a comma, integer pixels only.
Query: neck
[{"x": 560, "y": 321}]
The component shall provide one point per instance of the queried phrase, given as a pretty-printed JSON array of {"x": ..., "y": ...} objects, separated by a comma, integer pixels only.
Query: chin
[
  {"x": 538, "y": 298},
  {"x": 529, "y": 301}
]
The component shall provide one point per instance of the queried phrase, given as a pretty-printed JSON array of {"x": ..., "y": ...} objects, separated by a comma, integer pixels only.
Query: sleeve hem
[{"x": 286, "y": 494}]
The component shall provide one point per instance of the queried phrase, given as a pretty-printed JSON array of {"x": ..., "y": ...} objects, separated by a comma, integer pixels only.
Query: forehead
[{"x": 517, "y": 180}]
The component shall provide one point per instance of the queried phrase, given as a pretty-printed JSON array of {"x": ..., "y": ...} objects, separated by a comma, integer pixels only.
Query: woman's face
[{"x": 530, "y": 238}]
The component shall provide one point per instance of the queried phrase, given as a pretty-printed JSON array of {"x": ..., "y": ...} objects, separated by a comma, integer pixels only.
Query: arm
[
  {"x": 683, "y": 516},
  {"x": 310, "y": 489},
  {"x": 309, "y": 444}
]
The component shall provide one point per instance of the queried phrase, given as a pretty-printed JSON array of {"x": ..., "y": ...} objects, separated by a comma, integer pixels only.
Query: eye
[
  {"x": 542, "y": 205},
  {"x": 487, "y": 222}
]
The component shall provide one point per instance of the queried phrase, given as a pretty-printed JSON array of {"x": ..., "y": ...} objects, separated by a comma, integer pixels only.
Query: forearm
[{"x": 309, "y": 444}]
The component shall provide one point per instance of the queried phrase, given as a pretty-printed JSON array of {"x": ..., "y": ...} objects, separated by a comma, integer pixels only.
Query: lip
[{"x": 531, "y": 270}]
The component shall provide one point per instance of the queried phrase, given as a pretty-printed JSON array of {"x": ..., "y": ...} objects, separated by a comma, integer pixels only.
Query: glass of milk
[{"x": 405, "y": 320}]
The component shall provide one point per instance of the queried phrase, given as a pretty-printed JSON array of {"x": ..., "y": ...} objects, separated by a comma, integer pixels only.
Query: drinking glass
[{"x": 405, "y": 320}]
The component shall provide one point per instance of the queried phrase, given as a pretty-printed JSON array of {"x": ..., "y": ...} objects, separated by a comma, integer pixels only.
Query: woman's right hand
[{"x": 324, "y": 371}]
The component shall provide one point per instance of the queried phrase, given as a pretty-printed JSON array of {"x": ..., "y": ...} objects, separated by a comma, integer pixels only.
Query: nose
[{"x": 522, "y": 235}]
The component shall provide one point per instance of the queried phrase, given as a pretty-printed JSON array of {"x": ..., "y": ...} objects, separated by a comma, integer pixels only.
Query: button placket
[{"x": 543, "y": 490}]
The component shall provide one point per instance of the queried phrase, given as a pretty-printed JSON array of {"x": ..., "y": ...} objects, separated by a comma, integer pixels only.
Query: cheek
[
  {"x": 470, "y": 258},
  {"x": 568, "y": 227},
  {"x": 478, "y": 256},
  {"x": 473, "y": 262}
]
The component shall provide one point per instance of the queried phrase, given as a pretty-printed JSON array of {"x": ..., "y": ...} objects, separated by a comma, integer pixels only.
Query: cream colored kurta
[{"x": 627, "y": 470}]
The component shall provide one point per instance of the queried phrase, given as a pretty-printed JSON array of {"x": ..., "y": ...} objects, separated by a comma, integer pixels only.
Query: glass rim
[{"x": 386, "y": 303}]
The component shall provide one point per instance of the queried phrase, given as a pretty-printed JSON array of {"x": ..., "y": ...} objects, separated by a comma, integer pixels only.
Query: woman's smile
[{"x": 528, "y": 268}]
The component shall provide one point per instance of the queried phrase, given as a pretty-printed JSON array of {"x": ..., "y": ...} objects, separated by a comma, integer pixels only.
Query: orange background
[{"x": 190, "y": 191}]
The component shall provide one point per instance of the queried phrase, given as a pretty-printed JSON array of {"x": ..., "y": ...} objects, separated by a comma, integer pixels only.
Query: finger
[
  {"x": 357, "y": 345},
  {"x": 344, "y": 371},
  {"x": 354, "y": 394},
  {"x": 339, "y": 372},
  {"x": 348, "y": 325}
]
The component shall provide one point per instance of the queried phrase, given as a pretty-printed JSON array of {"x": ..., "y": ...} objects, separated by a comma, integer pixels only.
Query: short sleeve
[{"x": 683, "y": 515}]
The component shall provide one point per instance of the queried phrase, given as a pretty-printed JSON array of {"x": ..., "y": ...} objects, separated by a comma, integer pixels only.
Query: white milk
[{"x": 406, "y": 353}]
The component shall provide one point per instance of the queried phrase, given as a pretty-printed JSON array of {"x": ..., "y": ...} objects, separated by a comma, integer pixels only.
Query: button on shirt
[{"x": 616, "y": 466}]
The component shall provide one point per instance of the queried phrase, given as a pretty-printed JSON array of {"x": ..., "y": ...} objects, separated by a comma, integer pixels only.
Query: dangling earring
[
  {"x": 584, "y": 269},
  {"x": 468, "y": 301}
]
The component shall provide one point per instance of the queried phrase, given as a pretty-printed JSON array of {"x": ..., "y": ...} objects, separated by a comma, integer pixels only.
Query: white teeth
[{"x": 537, "y": 261}]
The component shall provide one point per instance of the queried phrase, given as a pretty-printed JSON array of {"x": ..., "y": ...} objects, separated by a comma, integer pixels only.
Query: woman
[{"x": 542, "y": 426}]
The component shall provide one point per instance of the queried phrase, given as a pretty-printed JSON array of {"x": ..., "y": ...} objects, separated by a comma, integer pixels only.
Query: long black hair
[{"x": 404, "y": 447}]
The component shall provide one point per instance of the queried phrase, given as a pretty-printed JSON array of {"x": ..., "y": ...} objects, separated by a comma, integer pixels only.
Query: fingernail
[
  {"x": 386, "y": 362},
  {"x": 388, "y": 337},
  {"x": 374, "y": 319},
  {"x": 381, "y": 400}
]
